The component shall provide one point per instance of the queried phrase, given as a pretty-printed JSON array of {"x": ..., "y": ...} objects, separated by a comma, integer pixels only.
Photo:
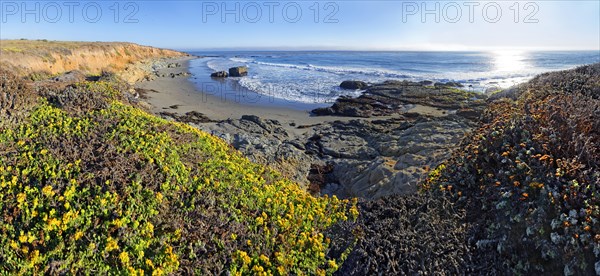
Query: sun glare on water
[{"x": 504, "y": 61}]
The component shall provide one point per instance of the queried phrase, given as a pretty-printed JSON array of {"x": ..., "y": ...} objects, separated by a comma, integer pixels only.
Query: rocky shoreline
[{"x": 395, "y": 133}]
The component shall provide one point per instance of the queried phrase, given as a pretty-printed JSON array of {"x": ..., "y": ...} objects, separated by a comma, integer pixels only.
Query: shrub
[
  {"x": 528, "y": 178},
  {"x": 16, "y": 97}
]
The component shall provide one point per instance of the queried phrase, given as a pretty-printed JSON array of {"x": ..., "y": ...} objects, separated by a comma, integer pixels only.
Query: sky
[{"x": 312, "y": 25}]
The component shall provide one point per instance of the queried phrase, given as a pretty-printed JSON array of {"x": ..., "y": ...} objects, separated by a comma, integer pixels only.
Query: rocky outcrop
[
  {"x": 71, "y": 77},
  {"x": 220, "y": 74},
  {"x": 180, "y": 74},
  {"x": 193, "y": 117},
  {"x": 353, "y": 85},
  {"x": 393, "y": 97},
  {"x": 364, "y": 157},
  {"x": 378, "y": 158},
  {"x": 448, "y": 84},
  {"x": 239, "y": 71}
]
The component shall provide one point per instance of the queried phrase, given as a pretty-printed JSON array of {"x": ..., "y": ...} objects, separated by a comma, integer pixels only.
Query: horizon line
[
  {"x": 411, "y": 48},
  {"x": 325, "y": 49}
]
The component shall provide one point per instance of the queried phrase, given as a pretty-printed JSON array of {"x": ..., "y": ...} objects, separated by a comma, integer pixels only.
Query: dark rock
[
  {"x": 426, "y": 83},
  {"x": 350, "y": 107},
  {"x": 71, "y": 77},
  {"x": 323, "y": 111},
  {"x": 353, "y": 85},
  {"x": 180, "y": 74},
  {"x": 239, "y": 71},
  {"x": 454, "y": 84},
  {"x": 447, "y": 84},
  {"x": 392, "y": 97},
  {"x": 220, "y": 74},
  {"x": 469, "y": 113},
  {"x": 193, "y": 117}
]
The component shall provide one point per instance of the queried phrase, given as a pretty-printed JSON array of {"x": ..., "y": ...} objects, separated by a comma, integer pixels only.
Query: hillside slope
[
  {"x": 90, "y": 183},
  {"x": 39, "y": 58}
]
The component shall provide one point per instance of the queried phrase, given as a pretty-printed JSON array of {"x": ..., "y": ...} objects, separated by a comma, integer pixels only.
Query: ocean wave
[
  {"x": 241, "y": 60},
  {"x": 338, "y": 70},
  {"x": 306, "y": 92},
  {"x": 378, "y": 75}
]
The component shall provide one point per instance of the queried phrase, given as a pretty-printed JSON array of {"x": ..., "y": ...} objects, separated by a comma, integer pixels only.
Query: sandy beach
[{"x": 180, "y": 95}]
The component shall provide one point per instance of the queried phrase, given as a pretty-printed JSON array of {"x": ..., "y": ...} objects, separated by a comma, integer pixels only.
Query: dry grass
[{"x": 27, "y": 57}]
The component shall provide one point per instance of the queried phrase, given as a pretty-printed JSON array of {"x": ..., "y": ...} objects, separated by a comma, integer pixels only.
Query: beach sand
[{"x": 181, "y": 93}]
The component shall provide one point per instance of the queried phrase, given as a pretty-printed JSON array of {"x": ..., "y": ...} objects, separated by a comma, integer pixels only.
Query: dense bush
[
  {"x": 16, "y": 97},
  {"x": 529, "y": 177}
]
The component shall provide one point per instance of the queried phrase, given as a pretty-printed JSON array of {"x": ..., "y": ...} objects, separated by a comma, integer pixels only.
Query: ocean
[{"x": 309, "y": 78}]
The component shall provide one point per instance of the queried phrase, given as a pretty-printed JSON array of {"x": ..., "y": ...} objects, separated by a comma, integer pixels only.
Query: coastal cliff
[{"x": 40, "y": 58}]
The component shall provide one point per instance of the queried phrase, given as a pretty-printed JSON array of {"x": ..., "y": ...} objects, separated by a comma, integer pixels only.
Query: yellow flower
[
  {"x": 52, "y": 223},
  {"x": 35, "y": 256},
  {"x": 111, "y": 244},
  {"x": 149, "y": 263},
  {"x": 78, "y": 235},
  {"x": 21, "y": 198},
  {"x": 149, "y": 228},
  {"x": 22, "y": 237},
  {"x": 124, "y": 257},
  {"x": 264, "y": 259},
  {"x": 332, "y": 264},
  {"x": 245, "y": 258},
  {"x": 30, "y": 238},
  {"x": 157, "y": 272},
  {"x": 258, "y": 268},
  {"x": 70, "y": 192},
  {"x": 118, "y": 223},
  {"x": 159, "y": 197},
  {"x": 47, "y": 190}
]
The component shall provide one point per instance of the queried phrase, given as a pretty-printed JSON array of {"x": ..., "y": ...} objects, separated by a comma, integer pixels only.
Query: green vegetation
[{"x": 89, "y": 183}]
